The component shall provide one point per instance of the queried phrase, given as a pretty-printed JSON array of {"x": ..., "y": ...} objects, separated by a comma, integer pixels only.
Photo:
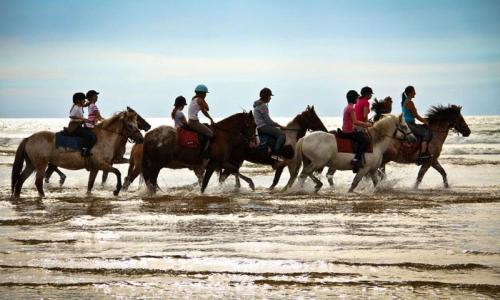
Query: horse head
[
  {"x": 459, "y": 123},
  {"x": 312, "y": 121},
  {"x": 141, "y": 123},
  {"x": 130, "y": 126},
  {"x": 448, "y": 117}
]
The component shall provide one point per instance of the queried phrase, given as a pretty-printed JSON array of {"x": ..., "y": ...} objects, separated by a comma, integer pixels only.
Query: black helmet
[
  {"x": 91, "y": 93},
  {"x": 180, "y": 101},
  {"x": 265, "y": 92},
  {"x": 352, "y": 96},
  {"x": 366, "y": 91},
  {"x": 77, "y": 97}
]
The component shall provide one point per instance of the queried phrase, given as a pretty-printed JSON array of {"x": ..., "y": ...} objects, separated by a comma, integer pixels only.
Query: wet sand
[{"x": 387, "y": 242}]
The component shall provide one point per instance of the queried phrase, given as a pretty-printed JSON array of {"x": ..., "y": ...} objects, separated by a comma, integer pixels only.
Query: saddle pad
[
  {"x": 345, "y": 145},
  {"x": 68, "y": 142},
  {"x": 187, "y": 138}
]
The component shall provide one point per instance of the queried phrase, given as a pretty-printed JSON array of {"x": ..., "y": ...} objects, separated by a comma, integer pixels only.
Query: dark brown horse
[
  {"x": 162, "y": 151},
  {"x": 441, "y": 120},
  {"x": 381, "y": 107},
  {"x": 295, "y": 129},
  {"x": 141, "y": 124},
  {"x": 39, "y": 149}
]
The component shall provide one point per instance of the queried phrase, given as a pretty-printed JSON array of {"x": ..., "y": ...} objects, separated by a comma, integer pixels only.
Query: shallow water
[{"x": 234, "y": 243}]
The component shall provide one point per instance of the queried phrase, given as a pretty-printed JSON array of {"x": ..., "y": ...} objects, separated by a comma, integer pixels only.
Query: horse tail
[
  {"x": 18, "y": 163},
  {"x": 295, "y": 163}
]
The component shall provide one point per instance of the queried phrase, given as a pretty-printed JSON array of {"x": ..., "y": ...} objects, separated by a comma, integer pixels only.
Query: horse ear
[
  {"x": 312, "y": 107},
  {"x": 250, "y": 114}
]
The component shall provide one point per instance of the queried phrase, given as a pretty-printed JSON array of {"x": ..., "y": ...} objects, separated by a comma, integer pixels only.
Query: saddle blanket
[
  {"x": 408, "y": 149},
  {"x": 65, "y": 142},
  {"x": 187, "y": 138},
  {"x": 346, "y": 145}
]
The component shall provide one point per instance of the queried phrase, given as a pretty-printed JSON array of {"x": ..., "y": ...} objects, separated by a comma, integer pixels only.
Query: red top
[
  {"x": 347, "y": 125},
  {"x": 358, "y": 108}
]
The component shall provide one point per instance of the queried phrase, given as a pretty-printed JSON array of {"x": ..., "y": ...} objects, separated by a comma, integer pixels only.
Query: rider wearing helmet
[
  {"x": 265, "y": 125},
  {"x": 198, "y": 104},
  {"x": 177, "y": 114},
  {"x": 349, "y": 121},
  {"x": 93, "y": 114},
  {"x": 76, "y": 122}
]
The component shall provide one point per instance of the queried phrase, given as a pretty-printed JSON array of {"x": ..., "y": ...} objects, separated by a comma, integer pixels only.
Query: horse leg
[
  {"x": 40, "y": 173},
  {"x": 104, "y": 178},
  {"x": 92, "y": 176},
  {"x": 48, "y": 173},
  {"x": 199, "y": 172},
  {"x": 62, "y": 177},
  {"x": 28, "y": 170},
  {"x": 307, "y": 171},
  {"x": 374, "y": 177},
  {"x": 109, "y": 168},
  {"x": 131, "y": 176},
  {"x": 208, "y": 173},
  {"x": 421, "y": 173},
  {"x": 361, "y": 173},
  {"x": 247, "y": 180},
  {"x": 437, "y": 166},
  {"x": 277, "y": 176},
  {"x": 329, "y": 175},
  {"x": 318, "y": 182}
]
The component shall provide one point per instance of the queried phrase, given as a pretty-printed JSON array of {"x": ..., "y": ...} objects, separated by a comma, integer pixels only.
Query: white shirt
[
  {"x": 194, "y": 109},
  {"x": 76, "y": 111}
]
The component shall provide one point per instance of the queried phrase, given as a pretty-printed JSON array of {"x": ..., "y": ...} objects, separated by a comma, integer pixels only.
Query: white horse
[{"x": 319, "y": 149}]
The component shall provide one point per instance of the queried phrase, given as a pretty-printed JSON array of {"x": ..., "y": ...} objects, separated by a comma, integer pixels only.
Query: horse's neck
[
  {"x": 383, "y": 139},
  {"x": 439, "y": 132},
  {"x": 111, "y": 137},
  {"x": 295, "y": 130}
]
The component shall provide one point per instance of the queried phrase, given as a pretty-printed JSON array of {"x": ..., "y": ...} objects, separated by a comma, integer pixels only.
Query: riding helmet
[
  {"x": 180, "y": 101},
  {"x": 201, "y": 88},
  {"x": 265, "y": 92}
]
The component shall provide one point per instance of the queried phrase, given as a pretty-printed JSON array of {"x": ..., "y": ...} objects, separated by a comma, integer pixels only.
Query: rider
[
  {"x": 177, "y": 114},
  {"x": 94, "y": 115},
  {"x": 349, "y": 121},
  {"x": 198, "y": 104},
  {"x": 362, "y": 107},
  {"x": 420, "y": 130},
  {"x": 265, "y": 125},
  {"x": 77, "y": 120}
]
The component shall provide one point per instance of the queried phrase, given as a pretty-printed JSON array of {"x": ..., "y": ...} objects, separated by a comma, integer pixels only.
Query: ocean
[{"x": 390, "y": 241}]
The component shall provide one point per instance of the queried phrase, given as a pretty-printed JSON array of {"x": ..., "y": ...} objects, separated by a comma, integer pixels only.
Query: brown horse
[
  {"x": 381, "y": 107},
  {"x": 141, "y": 124},
  {"x": 295, "y": 129},
  {"x": 135, "y": 165},
  {"x": 162, "y": 151},
  {"x": 441, "y": 120},
  {"x": 39, "y": 149}
]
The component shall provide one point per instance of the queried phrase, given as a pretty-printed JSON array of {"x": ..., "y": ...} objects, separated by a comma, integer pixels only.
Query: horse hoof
[
  {"x": 62, "y": 180},
  {"x": 446, "y": 186},
  {"x": 252, "y": 186},
  {"x": 115, "y": 193}
]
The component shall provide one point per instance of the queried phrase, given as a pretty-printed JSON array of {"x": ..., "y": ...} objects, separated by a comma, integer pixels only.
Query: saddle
[
  {"x": 68, "y": 142},
  {"x": 346, "y": 145},
  {"x": 408, "y": 149},
  {"x": 188, "y": 138}
]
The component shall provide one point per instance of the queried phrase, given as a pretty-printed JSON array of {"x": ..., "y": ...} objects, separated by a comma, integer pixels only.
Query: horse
[
  {"x": 441, "y": 119},
  {"x": 161, "y": 149},
  {"x": 319, "y": 149},
  {"x": 294, "y": 130},
  {"x": 141, "y": 124},
  {"x": 39, "y": 149}
]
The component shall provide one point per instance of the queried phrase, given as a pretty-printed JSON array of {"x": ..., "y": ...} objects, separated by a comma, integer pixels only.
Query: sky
[{"x": 146, "y": 53}]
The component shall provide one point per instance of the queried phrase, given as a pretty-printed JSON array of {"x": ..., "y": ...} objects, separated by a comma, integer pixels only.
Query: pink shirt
[
  {"x": 92, "y": 116},
  {"x": 358, "y": 109},
  {"x": 347, "y": 125}
]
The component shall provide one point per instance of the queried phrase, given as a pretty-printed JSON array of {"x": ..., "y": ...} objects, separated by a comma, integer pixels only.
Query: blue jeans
[{"x": 277, "y": 134}]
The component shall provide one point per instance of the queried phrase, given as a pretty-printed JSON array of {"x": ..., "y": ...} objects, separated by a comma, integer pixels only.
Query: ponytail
[
  {"x": 174, "y": 111},
  {"x": 404, "y": 96}
]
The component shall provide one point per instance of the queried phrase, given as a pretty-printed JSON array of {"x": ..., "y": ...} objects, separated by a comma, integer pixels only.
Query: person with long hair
[
  {"x": 410, "y": 113},
  {"x": 177, "y": 114},
  {"x": 76, "y": 123}
]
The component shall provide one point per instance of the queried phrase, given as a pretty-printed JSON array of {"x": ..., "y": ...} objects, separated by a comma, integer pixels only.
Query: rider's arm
[
  {"x": 359, "y": 123},
  {"x": 411, "y": 107},
  {"x": 366, "y": 111},
  {"x": 204, "y": 109}
]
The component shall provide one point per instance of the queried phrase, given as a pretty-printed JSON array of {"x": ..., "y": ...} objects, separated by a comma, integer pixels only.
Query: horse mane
[
  {"x": 440, "y": 113},
  {"x": 298, "y": 118},
  {"x": 381, "y": 107},
  {"x": 231, "y": 118},
  {"x": 111, "y": 120},
  {"x": 382, "y": 126}
]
